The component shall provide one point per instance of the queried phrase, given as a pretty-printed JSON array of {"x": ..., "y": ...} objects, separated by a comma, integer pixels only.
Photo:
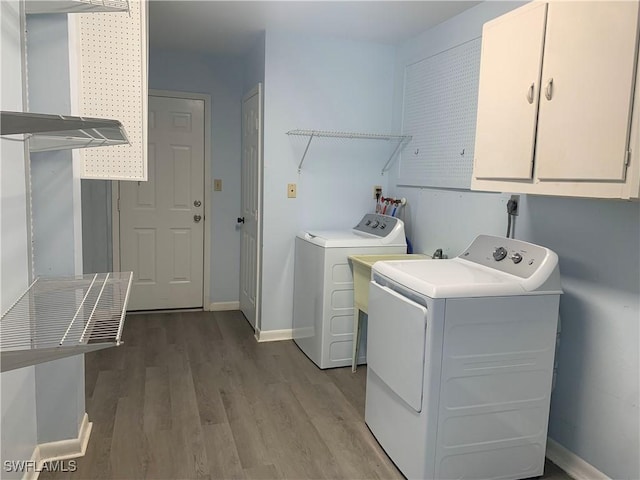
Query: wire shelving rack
[
  {"x": 399, "y": 139},
  {"x": 58, "y": 317}
]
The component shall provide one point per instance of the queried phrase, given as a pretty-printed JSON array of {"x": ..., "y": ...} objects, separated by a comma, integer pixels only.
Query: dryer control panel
[
  {"x": 507, "y": 255},
  {"x": 376, "y": 224}
]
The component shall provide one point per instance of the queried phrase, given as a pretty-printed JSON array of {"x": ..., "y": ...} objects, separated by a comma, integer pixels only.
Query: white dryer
[
  {"x": 460, "y": 360},
  {"x": 323, "y": 285}
]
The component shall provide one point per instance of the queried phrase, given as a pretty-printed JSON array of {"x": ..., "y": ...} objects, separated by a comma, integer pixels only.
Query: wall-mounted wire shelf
[
  {"x": 60, "y": 317},
  {"x": 75, "y": 6},
  {"x": 47, "y": 132},
  {"x": 400, "y": 140}
]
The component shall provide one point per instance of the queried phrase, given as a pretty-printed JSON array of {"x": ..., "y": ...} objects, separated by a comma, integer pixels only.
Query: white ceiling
[{"x": 232, "y": 27}]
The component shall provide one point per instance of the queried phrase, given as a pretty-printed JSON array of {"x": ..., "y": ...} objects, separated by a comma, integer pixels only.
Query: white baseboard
[
  {"x": 274, "y": 335},
  {"x": 224, "y": 306},
  {"x": 61, "y": 450},
  {"x": 571, "y": 463},
  {"x": 33, "y": 473}
]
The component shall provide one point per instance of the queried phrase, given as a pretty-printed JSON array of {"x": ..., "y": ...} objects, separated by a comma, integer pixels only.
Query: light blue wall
[
  {"x": 60, "y": 403},
  {"x": 51, "y": 172},
  {"x": 97, "y": 233},
  {"x": 594, "y": 409},
  {"x": 254, "y": 65},
  {"x": 222, "y": 78},
  {"x": 18, "y": 428},
  {"x": 52, "y": 200},
  {"x": 324, "y": 84}
]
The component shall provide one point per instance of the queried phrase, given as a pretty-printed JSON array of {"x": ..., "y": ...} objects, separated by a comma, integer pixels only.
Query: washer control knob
[
  {"x": 383, "y": 226},
  {"x": 516, "y": 257},
  {"x": 499, "y": 253},
  {"x": 375, "y": 224},
  {"x": 367, "y": 223}
]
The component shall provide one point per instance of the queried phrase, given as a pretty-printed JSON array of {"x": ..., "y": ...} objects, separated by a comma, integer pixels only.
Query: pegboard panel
[
  {"x": 112, "y": 83},
  {"x": 439, "y": 112}
]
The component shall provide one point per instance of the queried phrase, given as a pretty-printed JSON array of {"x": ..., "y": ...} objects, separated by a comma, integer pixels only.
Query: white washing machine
[
  {"x": 460, "y": 360},
  {"x": 323, "y": 285}
]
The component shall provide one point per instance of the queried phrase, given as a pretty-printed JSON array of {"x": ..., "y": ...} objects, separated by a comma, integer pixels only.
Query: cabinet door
[
  {"x": 508, "y": 93},
  {"x": 589, "y": 67}
]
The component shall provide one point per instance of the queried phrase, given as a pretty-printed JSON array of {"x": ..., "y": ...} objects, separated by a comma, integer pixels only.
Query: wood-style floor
[{"x": 193, "y": 395}]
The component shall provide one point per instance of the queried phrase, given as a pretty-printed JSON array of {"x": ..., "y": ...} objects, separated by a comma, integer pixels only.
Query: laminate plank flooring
[{"x": 194, "y": 396}]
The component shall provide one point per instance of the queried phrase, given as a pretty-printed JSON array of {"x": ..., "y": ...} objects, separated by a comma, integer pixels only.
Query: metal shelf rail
[
  {"x": 75, "y": 6},
  {"x": 59, "y": 317},
  {"x": 400, "y": 139},
  {"x": 47, "y": 132}
]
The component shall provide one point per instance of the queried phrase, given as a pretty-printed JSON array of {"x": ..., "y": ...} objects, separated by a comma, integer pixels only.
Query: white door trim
[{"x": 115, "y": 194}]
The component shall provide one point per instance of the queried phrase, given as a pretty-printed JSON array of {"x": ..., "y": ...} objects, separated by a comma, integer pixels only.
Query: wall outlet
[
  {"x": 377, "y": 191},
  {"x": 217, "y": 184},
  {"x": 291, "y": 190}
]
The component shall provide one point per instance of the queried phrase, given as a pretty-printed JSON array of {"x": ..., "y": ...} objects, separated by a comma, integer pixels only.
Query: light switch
[
  {"x": 291, "y": 190},
  {"x": 217, "y": 184}
]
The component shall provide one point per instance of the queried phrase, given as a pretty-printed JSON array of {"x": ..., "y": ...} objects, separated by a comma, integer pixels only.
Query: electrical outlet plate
[
  {"x": 217, "y": 184},
  {"x": 291, "y": 190}
]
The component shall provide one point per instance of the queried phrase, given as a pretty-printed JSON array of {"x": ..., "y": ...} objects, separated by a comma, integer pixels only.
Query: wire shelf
[
  {"x": 362, "y": 136},
  {"x": 75, "y": 6},
  {"x": 47, "y": 132},
  {"x": 59, "y": 317},
  {"x": 399, "y": 139}
]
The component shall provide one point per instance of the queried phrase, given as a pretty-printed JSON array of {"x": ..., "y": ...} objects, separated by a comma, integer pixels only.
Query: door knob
[
  {"x": 240, "y": 219},
  {"x": 197, "y": 218},
  {"x": 197, "y": 203}
]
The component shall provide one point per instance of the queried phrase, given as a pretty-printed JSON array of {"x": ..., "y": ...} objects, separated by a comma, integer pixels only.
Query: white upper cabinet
[{"x": 556, "y": 100}]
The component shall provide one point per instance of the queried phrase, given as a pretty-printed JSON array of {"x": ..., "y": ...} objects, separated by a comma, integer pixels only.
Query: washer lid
[
  {"x": 448, "y": 278},
  {"x": 373, "y": 230},
  {"x": 336, "y": 238},
  {"x": 477, "y": 273}
]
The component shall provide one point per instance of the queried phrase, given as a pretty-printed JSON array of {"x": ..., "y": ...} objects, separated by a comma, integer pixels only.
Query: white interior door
[
  {"x": 250, "y": 247},
  {"x": 162, "y": 219}
]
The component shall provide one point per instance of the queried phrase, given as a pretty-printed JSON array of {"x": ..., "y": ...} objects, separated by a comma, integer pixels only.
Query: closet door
[
  {"x": 508, "y": 93},
  {"x": 587, "y": 90}
]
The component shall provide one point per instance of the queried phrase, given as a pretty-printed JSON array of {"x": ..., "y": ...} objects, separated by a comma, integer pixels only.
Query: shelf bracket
[
  {"x": 305, "y": 152},
  {"x": 395, "y": 151}
]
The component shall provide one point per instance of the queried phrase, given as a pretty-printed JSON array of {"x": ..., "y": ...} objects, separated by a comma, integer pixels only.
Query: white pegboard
[
  {"x": 439, "y": 112},
  {"x": 112, "y": 83}
]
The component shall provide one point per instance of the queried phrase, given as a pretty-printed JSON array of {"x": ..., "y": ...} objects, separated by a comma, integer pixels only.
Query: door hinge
[
  {"x": 627, "y": 161},
  {"x": 118, "y": 203}
]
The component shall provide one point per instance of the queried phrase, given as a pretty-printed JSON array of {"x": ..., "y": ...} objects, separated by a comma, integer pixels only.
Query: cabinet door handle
[
  {"x": 548, "y": 91},
  {"x": 530, "y": 93}
]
